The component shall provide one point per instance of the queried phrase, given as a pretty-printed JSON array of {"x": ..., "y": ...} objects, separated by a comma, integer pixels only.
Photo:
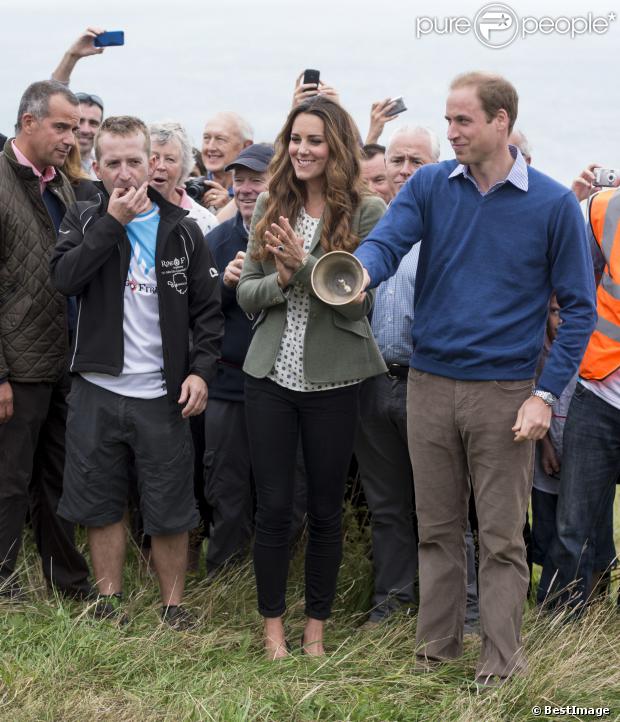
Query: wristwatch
[{"x": 546, "y": 396}]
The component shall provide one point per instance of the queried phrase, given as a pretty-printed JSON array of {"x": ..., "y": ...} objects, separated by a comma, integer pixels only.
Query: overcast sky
[{"x": 190, "y": 58}]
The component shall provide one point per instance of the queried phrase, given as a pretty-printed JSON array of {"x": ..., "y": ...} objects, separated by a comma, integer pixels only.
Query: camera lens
[{"x": 195, "y": 188}]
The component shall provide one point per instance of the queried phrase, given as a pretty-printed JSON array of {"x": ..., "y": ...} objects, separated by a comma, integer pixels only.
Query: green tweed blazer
[{"x": 338, "y": 345}]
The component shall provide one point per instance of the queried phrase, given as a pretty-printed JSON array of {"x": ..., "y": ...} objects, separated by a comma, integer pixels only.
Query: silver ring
[{"x": 280, "y": 247}]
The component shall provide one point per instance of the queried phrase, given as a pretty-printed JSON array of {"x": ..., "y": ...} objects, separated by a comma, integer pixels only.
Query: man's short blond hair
[
  {"x": 123, "y": 125},
  {"x": 495, "y": 93}
]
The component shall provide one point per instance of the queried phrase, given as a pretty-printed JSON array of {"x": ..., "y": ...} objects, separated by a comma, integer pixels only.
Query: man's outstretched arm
[{"x": 80, "y": 48}]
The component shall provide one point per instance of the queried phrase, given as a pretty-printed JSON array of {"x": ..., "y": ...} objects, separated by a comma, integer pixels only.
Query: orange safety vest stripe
[{"x": 602, "y": 356}]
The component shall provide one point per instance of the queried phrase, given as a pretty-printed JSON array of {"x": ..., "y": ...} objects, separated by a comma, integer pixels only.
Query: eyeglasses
[{"x": 90, "y": 98}]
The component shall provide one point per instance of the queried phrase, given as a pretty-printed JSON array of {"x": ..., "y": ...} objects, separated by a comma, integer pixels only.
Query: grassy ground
[{"x": 57, "y": 664}]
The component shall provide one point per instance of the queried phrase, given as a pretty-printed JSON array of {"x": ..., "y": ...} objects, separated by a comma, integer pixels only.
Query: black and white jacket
[{"x": 91, "y": 261}]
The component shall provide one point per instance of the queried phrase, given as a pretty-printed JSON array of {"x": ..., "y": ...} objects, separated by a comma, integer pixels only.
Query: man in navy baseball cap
[
  {"x": 228, "y": 483},
  {"x": 256, "y": 157},
  {"x": 249, "y": 170}
]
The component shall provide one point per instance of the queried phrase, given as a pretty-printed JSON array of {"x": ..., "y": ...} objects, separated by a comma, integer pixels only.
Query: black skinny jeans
[{"x": 327, "y": 422}]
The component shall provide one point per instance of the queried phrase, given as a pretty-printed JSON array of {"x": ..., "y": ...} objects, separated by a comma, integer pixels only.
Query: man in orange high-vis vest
[{"x": 583, "y": 541}]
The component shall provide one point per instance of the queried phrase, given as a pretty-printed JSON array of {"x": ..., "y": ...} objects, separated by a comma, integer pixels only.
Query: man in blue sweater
[
  {"x": 226, "y": 459},
  {"x": 497, "y": 238}
]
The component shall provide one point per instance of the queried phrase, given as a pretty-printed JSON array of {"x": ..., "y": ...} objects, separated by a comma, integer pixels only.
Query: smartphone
[
  {"x": 113, "y": 37},
  {"x": 399, "y": 106},
  {"x": 311, "y": 76}
]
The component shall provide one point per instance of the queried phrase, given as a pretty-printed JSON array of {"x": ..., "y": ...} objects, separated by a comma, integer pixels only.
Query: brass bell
[{"x": 337, "y": 278}]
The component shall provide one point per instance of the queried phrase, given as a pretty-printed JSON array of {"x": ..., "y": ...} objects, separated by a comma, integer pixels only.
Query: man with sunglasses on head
[
  {"x": 91, "y": 105},
  {"x": 91, "y": 117}
]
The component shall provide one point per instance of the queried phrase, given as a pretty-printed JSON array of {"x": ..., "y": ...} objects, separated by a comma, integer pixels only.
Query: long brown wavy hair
[
  {"x": 72, "y": 166},
  {"x": 344, "y": 187}
]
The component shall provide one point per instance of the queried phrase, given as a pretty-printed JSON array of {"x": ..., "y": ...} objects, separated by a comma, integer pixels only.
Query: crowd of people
[{"x": 166, "y": 363}]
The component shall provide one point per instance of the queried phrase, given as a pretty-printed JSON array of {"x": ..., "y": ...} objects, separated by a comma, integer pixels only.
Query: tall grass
[{"x": 58, "y": 664}]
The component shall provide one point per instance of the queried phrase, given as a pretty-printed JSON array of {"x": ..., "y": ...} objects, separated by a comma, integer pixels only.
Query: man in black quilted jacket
[{"x": 34, "y": 339}]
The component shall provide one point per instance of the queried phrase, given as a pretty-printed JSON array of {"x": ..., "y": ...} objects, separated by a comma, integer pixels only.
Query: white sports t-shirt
[{"x": 142, "y": 376}]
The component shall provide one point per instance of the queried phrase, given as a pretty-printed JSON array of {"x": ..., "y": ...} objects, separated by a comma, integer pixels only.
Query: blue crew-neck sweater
[{"x": 488, "y": 264}]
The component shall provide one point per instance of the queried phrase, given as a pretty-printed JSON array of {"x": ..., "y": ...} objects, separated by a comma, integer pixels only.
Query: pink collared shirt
[
  {"x": 44, "y": 178},
  {"x": 184, "y": 201}
]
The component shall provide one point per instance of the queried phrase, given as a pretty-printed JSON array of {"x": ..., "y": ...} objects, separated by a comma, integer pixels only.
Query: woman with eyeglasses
[{"x": 307, "y": 358}]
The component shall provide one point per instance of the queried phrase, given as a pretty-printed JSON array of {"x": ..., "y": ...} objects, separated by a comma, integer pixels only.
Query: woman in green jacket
[{"x": 307, "y": 358}]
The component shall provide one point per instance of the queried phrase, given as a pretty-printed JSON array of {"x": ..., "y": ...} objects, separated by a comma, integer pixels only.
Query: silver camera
[{"x": 605, "y": 177}]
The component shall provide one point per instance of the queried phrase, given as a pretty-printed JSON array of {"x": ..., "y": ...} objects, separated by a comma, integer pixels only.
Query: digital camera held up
[
  {"x": 196, "y": 188},
  {"x": 605, "y": 177}
]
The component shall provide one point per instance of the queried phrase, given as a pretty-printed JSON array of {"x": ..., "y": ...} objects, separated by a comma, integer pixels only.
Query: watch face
[{"x": 546, "y": 396}]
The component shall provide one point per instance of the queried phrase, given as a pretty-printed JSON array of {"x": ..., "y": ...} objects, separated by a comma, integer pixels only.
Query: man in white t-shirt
[{"x": 138, "y": 381}]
